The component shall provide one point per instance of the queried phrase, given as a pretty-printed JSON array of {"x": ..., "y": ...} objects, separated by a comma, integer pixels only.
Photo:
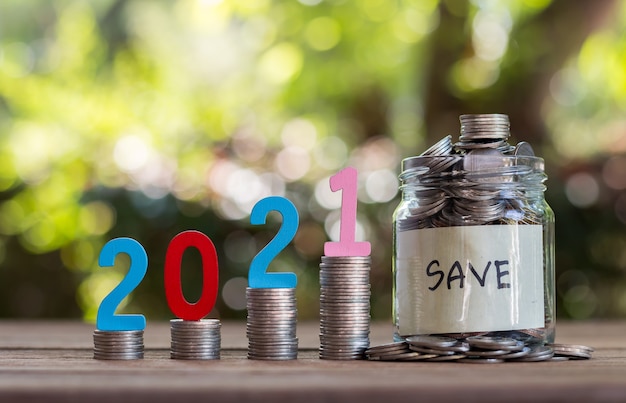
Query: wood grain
[{"x": 52, "y": 362}]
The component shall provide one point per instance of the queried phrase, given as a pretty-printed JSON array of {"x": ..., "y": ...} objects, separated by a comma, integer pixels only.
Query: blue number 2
[
  {"x": 107, "y": 320},
  {"x": 258, "y": 276}
]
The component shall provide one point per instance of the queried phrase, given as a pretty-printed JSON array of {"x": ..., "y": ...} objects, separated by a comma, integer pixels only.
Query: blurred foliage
[{"x": 146, "y": 118}]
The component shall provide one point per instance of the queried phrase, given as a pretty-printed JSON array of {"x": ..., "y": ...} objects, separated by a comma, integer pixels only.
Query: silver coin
[
  {"x": 276, "y": 316},
  {"x": 275, "y": 344},
  {"x": 346, "y": 290},
  {"x": 116, "y": 350},
  {"x": 490, "y": 342},
  {"x": 118, "y": 333},
  {"x": 350, "y": 259},
  {"x": 418, "y": 357},
  {"x": 571, "y": 351},
  {"x": 196, "y": 350},
  {"x": 559, "y": 358},
  {"x": 268, "y": 331},
  {"x": 269, "y": 324},
  {"x": 260, "y": 306},
  {"x": 343, "y": 337},
  {"x": 345, "y": 351},
  {"x": 342, "y": 301},
  {"x": 359, "y": 328},
  {"x": 196, "y": 344},
  {"x": 431, "y": 341},
  {"x": 389, "y": 347},
  {"x": 523, "y": 149},
  {"x": 425, "y": 350},
  {"x": 487, "y": 353},
  {"x": 270, "y": 291},
  {"x": 443, "y": 146},
  {"x": 254, "y": 299},
  {"x": 344, "y": 331},
  {"x": 273, "y": 357},
  {"x": 327, "y": 269},
  {"x": 266, "y": 335},
  {"x": 570, "y": 347},
  {"x": 537, "y": 353},
  {"x": 202, "y": 323},
  {"x": 137, "y": 356},
  {"x": 343, "y": 284},
  {"x": 341, "y": 345},
  {"x": 195, "y": 357},
  {"x": 196, "y": 333},
  {"x": 338, "y": 275},
  {"x": 353, "y": 306},
  {"x": 405, "y": 355},
  {"x": 347, "y": 316},
  {"x": 273, "y": 349},
  {"x": 113, "y": 343},
  {"x": 516, "y": 354},
  {"x": 481, "y": 360}
]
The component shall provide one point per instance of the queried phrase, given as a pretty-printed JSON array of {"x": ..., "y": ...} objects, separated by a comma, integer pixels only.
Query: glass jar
[{"x": 474, "y": 239}]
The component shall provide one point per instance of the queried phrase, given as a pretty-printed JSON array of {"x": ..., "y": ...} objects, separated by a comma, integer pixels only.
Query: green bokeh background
[{"x": 146, "y": 118}]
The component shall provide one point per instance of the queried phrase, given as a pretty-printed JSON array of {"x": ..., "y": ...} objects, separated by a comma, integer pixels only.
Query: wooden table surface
[{"x": 52, "y": 361}]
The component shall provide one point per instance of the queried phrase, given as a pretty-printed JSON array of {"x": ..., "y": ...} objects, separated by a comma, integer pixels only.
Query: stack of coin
[
  {"x": 494, "y": 349},
  {"x": 271, "y": 325},
  {"x": 397, "y": 351},
  {"x": 438, "y": 348},
  {"x": 195, "y": 339},
  {"x": 118, "y": 345},
  {"x": 484, "y": 131},
  {"x": 571, "y": 351},
  {"x": 344, "y": 307}
]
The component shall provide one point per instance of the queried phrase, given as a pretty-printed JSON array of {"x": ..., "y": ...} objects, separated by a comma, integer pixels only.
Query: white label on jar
[{"x": 469, "y": 279}]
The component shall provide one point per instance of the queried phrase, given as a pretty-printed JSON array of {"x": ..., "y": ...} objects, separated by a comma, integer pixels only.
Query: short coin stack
[
  {"x": 344, "y": 307},
  {"x": 475, "y": 350},
  {"x": 271, "y": 325},
  {"x": 118, "y": 345},
  {"x": 195, "y": 339}
]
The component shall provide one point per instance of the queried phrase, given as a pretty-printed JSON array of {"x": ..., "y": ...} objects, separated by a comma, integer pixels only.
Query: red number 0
[{"x": 180, "y": 307}]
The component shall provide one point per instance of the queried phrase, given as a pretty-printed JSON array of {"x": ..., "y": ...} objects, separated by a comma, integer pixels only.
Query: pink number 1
[{"x": 346, "y": 180}]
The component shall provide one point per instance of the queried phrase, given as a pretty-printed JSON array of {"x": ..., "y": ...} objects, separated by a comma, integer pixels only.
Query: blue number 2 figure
[
  {"x": 258, "y": 276},
  {"x": 107, "y": 320}
]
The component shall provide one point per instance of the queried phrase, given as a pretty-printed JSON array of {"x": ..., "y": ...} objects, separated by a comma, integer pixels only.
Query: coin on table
[
  {"x": 491, "y": 342},
  {"x": 431, "y": 341},
  {"x": 536, "y": 354},
  {"x": 481, "y": 360},
  {"x": 571, "y": 351}
]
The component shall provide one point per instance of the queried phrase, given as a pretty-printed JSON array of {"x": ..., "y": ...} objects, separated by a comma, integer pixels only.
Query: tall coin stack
[
  {"x": 195, "y": 339},
  {"x": 271, "y": 325},
  {"x": 118, "y": 345},
  {"x": 344, "y": 307}
]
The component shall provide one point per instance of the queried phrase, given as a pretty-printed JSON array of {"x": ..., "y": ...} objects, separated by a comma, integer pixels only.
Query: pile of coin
[
  {"x": 118, "y": 345},
  {"x": 344, "y": 307},
  {"x": 572, "y": 351},
  {"x": 271, "y": 324},
  {"x": 195, "y": 339},
  {"x": 484, "y": 131},
  {"x": 474, "y": 350},
  {"x": 472, "y": 182}
]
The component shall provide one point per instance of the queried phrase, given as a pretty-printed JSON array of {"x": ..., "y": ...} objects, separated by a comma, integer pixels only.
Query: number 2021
[{"x": 258, "y": 277}]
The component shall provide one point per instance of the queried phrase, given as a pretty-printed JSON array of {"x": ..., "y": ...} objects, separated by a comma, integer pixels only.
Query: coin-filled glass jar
[{"x": 474, "y": 239}]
